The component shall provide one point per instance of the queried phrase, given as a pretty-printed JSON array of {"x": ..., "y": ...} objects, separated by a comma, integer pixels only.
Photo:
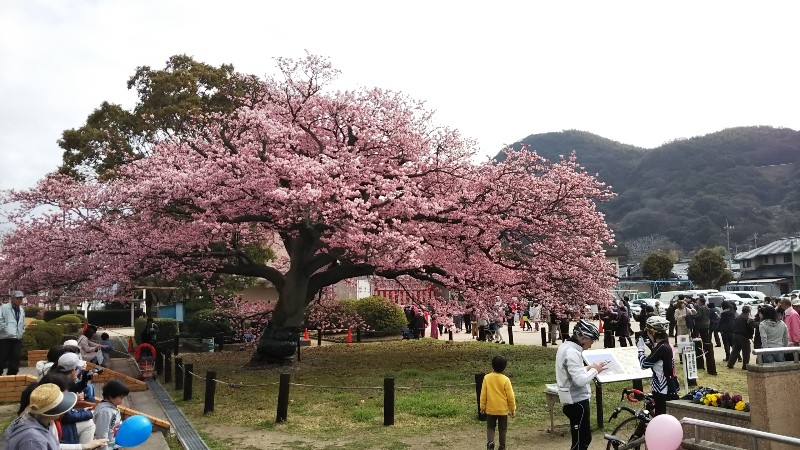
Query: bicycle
[{"x": 630, "y": 433}]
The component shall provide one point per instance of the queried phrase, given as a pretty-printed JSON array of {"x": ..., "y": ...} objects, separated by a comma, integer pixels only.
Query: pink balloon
[{"x": 664, "y": 432}]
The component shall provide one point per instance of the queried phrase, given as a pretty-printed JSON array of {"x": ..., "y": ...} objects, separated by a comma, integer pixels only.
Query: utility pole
[
  {"x": 794, "y": 271},
  {"x": 728, "y": 233}
]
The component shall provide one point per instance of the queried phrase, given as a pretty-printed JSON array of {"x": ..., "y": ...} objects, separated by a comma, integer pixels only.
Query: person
[
  {"x": 670, "y": 315},
  {"x": 743, "y": 327},
  {"x": 573, "y": 380},
  {"x": 106, "y": 415},
  {"x": 792, "y": 321},
  {"x": 715, "y": 314},
  {"x": 702, "y": 320},
  {"x": 107, "y": 346},
  {"x": 773, "y": 334},
  {"x": 31, "y": 430},
  {"x": 497, "y": 402},
  {"x": 609, "y": 318},
  {"x": 681, "y": 311},
  {"x": 623, "y": 331},
  {"x": 661, "y": 361},
  {"x": 150, "y": 331},
  {"x": 552, "y": 324},
  {"x": 536, "y": 315},
  {"x": 12, "y": 327},
  {"x": 725, "y": 326},
  {"x": 90, "y": 350}
]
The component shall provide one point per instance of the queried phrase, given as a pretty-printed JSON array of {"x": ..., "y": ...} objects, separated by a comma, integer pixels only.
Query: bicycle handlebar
[{"x": 628, "y": 392}]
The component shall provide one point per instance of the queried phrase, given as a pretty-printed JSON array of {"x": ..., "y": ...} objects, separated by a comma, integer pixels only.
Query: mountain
[{"x": 686, "y": 189}]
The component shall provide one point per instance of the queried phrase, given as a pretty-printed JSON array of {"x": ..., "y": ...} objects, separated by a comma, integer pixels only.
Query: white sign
[
  {"x": 689, "y": 367},
  {"x": 624, "y": 364}
]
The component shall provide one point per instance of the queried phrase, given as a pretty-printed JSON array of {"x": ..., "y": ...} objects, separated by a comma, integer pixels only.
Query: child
[
  {"x": 107, "y": 346},
  {"x": 497, "y": 402},
  {"x": 106, "y": 414}
]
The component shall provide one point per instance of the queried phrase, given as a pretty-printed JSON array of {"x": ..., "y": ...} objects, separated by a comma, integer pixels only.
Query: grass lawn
[{"x": 336, "y": 399}]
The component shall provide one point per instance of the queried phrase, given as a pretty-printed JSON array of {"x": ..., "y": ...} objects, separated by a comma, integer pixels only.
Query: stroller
[
  {"x": 493, "y": 333},
  {"x": 407, "y": 333}
]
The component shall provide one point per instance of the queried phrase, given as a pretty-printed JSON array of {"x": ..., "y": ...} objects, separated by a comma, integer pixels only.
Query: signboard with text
[{"x": 623, "y": 364}]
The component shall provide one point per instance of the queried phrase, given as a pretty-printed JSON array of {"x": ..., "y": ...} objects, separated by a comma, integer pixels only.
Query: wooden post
[
  {"x": 544, "y": 337},
  {"x": 711, "y": 364},
  {"x": 283, "y": 398},
  {"x": 698, "y": 350},
  {"x": 511, "y": 331},
  {"x": 298, "y": 349},
  {"x": 187, "y": 382},
  {"x": 176, "y": 345},
  {"x": 388, "y": 401},
  {"x": 478, "y": 386},
  {"x": 221, "y": 340},
  {"x": 450, "y": 334},
  {"x": 599, "y": 401},
  {"x": 178, "y": 374},
  {"x": 319, "y": 337},
  {"x": 167, "y": 367},
  {"x": 358, "y": 334},
  {"x": 211, "y": 390}
]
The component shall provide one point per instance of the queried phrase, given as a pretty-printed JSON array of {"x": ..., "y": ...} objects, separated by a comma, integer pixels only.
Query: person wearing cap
[
  {"x": 31, "y": 430},
  {"x": 573, "y": 380},
  {"x": 12, "y": 326}
]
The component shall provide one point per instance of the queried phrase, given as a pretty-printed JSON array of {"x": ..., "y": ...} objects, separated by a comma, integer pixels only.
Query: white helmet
[{"x": 657, "y": 323}]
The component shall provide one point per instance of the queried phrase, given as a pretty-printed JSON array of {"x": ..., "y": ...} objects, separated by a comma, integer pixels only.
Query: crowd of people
[{"x": 774, "y": 323}]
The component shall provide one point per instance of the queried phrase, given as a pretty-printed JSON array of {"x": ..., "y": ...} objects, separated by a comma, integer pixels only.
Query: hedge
[
  {"x": 383, "y": 316},
  {"x": 106, "y": 317},
  {"x": 41, "y": 337},
  {"x": 167, "y": 330},
  {"x": 50, "y": 315},
  {"x": 70, "y": 323}
]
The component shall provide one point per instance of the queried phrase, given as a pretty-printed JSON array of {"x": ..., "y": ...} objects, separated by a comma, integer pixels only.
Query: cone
[
  {"x": 350, "y": 335},
  {"x": 130, "y": 344},
  {"x": 601, "y": 326},
  {"x": 305, "y": 334}
]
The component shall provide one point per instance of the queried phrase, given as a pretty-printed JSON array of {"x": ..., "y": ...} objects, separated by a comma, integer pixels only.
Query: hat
[
  {"x": 71, "y": 342},
  {"x": 70, "y": 361},
  {"x": 19, "y": 294},
  {"x": 48, "y": 400}
]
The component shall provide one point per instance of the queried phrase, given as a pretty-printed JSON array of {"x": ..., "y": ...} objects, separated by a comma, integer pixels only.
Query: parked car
[
  {"x": 638, "y": 305},
  {"x": 749, "y": 294},
  {"x": 795, "y": 292}
]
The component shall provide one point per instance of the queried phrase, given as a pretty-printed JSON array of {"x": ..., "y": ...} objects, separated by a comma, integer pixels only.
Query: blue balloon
[{"x": 134, "y": 431}]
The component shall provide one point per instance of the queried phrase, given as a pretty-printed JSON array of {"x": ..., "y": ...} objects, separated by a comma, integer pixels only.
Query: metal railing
[
  {"x": 754, "y": 435},
  {"x": 760, "y": 352}
]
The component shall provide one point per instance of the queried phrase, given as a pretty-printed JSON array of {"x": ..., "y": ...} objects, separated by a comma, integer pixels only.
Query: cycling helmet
[
  {"x": 586, "y": 329},
  {"x": 657, "y": 323}
]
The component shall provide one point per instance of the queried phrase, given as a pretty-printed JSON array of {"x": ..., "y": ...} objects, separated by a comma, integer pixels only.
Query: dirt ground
[{"x": 242, "y": 438}]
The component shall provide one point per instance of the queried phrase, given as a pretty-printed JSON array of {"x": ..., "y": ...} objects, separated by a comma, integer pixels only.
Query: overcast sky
[{"x": 638, "y": 72}]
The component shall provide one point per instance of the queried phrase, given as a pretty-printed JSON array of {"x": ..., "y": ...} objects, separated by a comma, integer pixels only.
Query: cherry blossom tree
[{"x": 344, "y": 183}]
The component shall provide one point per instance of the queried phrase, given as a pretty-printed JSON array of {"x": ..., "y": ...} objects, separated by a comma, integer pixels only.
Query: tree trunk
[{"x": 278, "y": 341}]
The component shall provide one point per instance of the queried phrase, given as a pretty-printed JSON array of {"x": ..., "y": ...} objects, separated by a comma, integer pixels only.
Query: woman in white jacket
[{"x": 90, "y": 350}]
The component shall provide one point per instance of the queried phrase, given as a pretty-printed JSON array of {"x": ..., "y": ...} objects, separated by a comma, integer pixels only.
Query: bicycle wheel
[{"x": 630, "y": 429}]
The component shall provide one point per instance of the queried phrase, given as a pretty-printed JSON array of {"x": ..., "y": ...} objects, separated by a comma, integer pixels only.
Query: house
[{"x": 773, "y": 264}]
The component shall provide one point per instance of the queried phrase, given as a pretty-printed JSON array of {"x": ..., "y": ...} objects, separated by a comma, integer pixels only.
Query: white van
[{"x": 758, "y": 295}]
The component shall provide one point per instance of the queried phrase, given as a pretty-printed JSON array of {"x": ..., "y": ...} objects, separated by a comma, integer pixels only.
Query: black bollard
[
  {"x": 358, "y": 334},
  {"x": 711, "y": 364},
  {"x": 450, "y": 334},
  {"x": 388, "y": 401},
  {"x": 482, "y": 333},
  {"x": 211, "y": 390},
  {"x": 283, "y": 398},
  {"x": 510, "y": 331},
  {"x": 544, "y": 337},
  {"x": 167, "y": 367},
  {"x": 319, "y": 337},
  {"x": 187, "y": 382},
  {"x": 176, "y": 345},
  {"x": 221, "y": 341},
  {"x": 478, "y": 386},
  {"x": 178, "y": 374}
]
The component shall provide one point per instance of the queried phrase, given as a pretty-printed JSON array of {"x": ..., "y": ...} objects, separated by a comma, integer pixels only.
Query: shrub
[
  {"x": 50, "y": 315},
  {"x": 207, "y": 323},
  {"x": 32, "y": 310},
  {"x": 41, "y": 337},
  {"x": 71, "y": 323},
  {"x": 106, "y": 317},
  {"x": 167, "y": 330},
  {"x": 382, "y": 316}
]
